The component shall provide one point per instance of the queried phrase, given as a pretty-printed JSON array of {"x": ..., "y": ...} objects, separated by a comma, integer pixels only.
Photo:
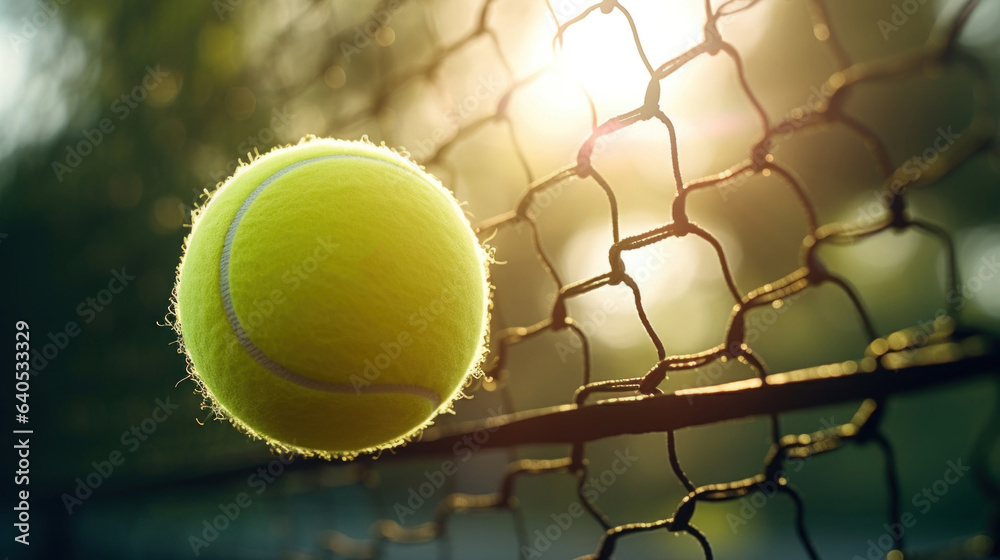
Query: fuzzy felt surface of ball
[{"x": 332, "y": 298}]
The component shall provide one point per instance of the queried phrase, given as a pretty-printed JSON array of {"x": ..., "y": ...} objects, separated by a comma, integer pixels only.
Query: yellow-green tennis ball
[{"x": 332, "y": 298}]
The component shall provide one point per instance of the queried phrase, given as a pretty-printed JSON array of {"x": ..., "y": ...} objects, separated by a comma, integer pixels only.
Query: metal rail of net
[{"x": 892, "y": 363}]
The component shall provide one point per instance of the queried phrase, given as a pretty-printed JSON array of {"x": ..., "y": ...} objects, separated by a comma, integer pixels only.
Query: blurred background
[{"x": 120, "y": 116}]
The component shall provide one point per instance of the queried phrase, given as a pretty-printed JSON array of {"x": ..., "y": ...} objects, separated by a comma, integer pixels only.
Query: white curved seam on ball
[{"x": 254, "y": 351}]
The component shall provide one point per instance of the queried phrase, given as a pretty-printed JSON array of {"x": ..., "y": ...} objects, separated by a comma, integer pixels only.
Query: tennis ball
[{"x": 332, "y": 298}]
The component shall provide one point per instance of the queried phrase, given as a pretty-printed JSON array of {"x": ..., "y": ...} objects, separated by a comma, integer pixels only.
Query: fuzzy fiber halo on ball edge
[{"x": 332, "y": 298}]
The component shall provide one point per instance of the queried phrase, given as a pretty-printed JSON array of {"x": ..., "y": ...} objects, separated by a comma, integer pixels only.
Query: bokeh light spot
[
  {"x": 335, "y": 77},
  {"x": 168, "y": 214}
]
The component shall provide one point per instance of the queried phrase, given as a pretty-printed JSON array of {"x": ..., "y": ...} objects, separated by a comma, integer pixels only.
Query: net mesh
[{"x": 886, "y": 355}]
